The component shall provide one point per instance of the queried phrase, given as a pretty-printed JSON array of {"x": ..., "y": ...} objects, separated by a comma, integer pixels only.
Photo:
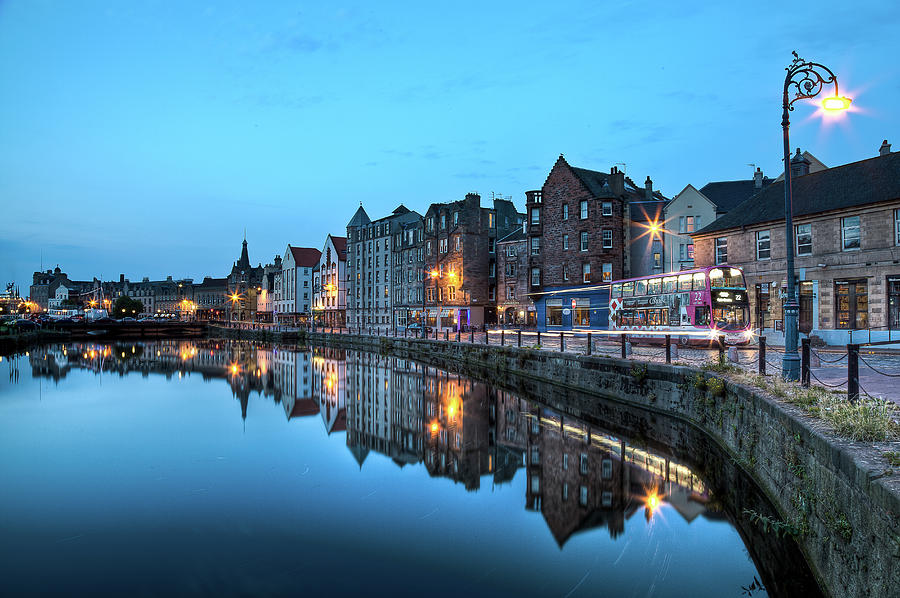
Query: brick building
[
  {"x": 461, "y": 260},
  {"x": 846, "y": 247},
  {"x": 579, "y": 238},
  {"x": 514, "y": 307}
]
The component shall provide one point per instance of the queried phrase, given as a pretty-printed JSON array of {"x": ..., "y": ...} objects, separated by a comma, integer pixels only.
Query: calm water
[{"x": 228, "y": 468}]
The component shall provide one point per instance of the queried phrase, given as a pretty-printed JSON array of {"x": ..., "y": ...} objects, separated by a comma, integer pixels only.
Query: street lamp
[{"x": 805, "y": 80}]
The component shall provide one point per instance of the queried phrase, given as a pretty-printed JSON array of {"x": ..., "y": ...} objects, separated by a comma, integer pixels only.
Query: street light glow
[{"x": 836, "y": 103}]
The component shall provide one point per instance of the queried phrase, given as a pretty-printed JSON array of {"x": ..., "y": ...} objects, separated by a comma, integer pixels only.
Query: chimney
[
  {"x": 616, "y": 181},
  {"x": 758, "y": 178},
  {"x": 278, "y": 262},
  {"x": 648, "y": 188},
  {"x": 885, "y": 148},
  {"x": 799, "y": 165},
  {"x": 121, "y": 278},
  {"x": 473, "y": 200}
]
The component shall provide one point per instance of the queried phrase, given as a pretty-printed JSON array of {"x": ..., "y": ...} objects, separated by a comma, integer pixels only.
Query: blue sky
[{"x": 143, "y": 137}]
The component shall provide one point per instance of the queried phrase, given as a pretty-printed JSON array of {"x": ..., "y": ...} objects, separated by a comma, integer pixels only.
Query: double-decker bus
[{"x": 693, "y": 306}]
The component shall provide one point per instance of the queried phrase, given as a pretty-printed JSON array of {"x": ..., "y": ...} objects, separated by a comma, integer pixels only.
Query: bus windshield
[
  {"x": 727, "y": 278},
  {"x": 730, "y": 317}
]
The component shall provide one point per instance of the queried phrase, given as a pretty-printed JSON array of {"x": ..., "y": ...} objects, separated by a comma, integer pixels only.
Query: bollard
[
  {"x": 624, "y": 342},
  {"x": 539, "y": 339},
  {"x": 733, "y": 355},
  {"x": 472, "y": 335},
  {"x": 668, "y": 348},
  {"x": 721, "y": 341},
  {"x": 519, "y": 338},
  {"x": 589, "y": 343},
  {"x": 804, "y": 362},
  {"x": 487, "y": 337},
  {"x": 762, "y": 356},
  {"x": 853, "y": 373},
  {"x": 457, "y": 335},
  {"x": 562, "y": 341},
  {"x": 447, "y": 334},
  {"x": 502, "y": 337}
]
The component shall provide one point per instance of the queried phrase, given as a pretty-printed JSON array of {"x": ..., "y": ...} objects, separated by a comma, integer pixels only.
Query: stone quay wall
[{"x": 841, "y": 498}]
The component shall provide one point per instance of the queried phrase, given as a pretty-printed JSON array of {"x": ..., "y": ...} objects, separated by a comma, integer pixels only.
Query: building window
[
  {"x": 893, "y": 295},
  {"x": 583, "y": 464},
  {"x": 763, "y": 248},
  {"x": 511, "y": 251},
  {"x": 721, "y": 250},
  {"x": 606, "y": 208},
  {"x": 451, "y": 291},
  {"x": 492, "y": 220},
  {"x": 897, "y": 226},
  {"x": 586, "y": 272},
  {"x": 535, "y": 455},
  {"x": 511, "y": 293},
  {"x": 657, "y": 259},
  {"x": 607, "y": 239},
  {"x": 554, "y": 312},
  {"x": 535, "y": 484},
  {"x": 851, "y": 305},
  {"x": 565, "y": 242},
  {"x": 607, "y": 272},
  {"x": 535, "y": 245},
  {"x": 535, "y": 277},
  {"x": 455, "y": 218},
  {"x": 583, "y": 496},
  {"x": 850, "y": 233},
  {"x": 690, "y": 251},
  {"x": 584, "y": 241},
  {"x": 535, "y": 215},
  {"x": 565, "y": 211},
  {"x": 565, "y": 272},
  {"x": 584, "y": 209},
  {"x": 804, "y": 239}
]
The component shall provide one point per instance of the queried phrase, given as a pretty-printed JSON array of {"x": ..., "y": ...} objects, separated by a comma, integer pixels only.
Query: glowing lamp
[{"x": 836, "y": 103}]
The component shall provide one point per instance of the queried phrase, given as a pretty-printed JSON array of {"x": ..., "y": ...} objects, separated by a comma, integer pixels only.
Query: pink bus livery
[{"x": 693, "y": 306}]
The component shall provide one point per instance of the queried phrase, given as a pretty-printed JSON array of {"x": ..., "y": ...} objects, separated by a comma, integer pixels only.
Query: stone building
[
  {"x": 294, "y": 287},
  {"x": 691, "y": 210},
  {"x": 265, "y": 302},
  {"x": 461, "y": 260},
  {"x": 408, "y": 259},
  {"x": 846, "y": 247},
  {"x": 514, "y": 307},
  {"x": 209, "y": 298},
  {"x": 579, "y": 239},
  {"x": 372, "y": 278},
  {"x": 330, "y": 284}
]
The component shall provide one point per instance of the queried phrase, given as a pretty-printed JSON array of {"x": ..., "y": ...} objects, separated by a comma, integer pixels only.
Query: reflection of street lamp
[{"x": 805, "y": 80}]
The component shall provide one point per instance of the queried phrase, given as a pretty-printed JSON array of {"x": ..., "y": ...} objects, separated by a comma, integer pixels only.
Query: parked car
[
  {"x": 129, "y": 319},
  {"x": 26, "y": 325}
]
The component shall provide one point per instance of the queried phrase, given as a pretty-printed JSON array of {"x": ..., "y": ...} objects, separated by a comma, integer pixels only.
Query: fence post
[
  {"x": 487, "y": 336},
  {"x": 562, "y": 341},
  {"x": 622, "y": 338},
  {"x": 539, "y": 338},
  {"x": 762, "y": 356},
  {"x": 589, "y": 343},
  {"x": 457, "y": 335},
  {"x": 472, "y": 335},
  {"x": 668, "y": 348},
  {"x": 804, "y": 363},
  {"x": 519, "y": 338},
  {"x": 853, "y": 373}
]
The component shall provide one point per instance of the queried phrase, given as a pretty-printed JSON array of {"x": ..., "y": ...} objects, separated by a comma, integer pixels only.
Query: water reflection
[{"x": 579, "y": 473}]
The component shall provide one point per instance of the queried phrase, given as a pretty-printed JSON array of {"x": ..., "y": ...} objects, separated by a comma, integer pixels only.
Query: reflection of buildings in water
[
  {"x": 581, "y": 478},
  {"x": 384, "y": 407},
  {"x": 329, "y": 367},
  {"x": 293, "y": 382}
]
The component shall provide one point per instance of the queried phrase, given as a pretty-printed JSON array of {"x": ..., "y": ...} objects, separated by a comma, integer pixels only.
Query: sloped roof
[
  {"x": 726, "y": 195},
  {"x": 516, "y": 235},
  {"x": 360, "y": 218},
  {"x": 305, "y": 256},
  {"x": 340, "y": 244},
  {"x": 595, "y": 181},
  {"x": 848, "y": 186}
]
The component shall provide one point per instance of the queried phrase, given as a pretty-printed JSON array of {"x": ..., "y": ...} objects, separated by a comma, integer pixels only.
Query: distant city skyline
[{"x": 144, "y": 139}]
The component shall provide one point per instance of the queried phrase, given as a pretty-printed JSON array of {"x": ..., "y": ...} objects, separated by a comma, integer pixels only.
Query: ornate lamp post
[{"x": 805, "y": 80}]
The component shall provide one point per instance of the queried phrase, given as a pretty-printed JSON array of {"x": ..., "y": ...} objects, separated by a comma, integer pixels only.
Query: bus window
[
  {"x": 654, "y": 286},
  {"x": 627, "y": 289},
  {"x": 640, "y": 317},
  {"x": 701, "y": 316},
  {"x": 640, "y": 287},
  {"x": 726, "y": 278},
  {"x": 699, "y": 282},
  {"x": 684, "y": 282},
  {"x": 617, "y": 290},
  {"x": 669, "y": 284}
]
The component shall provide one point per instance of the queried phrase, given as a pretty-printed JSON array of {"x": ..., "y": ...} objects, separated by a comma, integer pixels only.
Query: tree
[{"x": 125, "y": 307}]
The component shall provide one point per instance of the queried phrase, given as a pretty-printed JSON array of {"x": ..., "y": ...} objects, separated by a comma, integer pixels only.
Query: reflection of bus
[{"x": 693, "y": 306}]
